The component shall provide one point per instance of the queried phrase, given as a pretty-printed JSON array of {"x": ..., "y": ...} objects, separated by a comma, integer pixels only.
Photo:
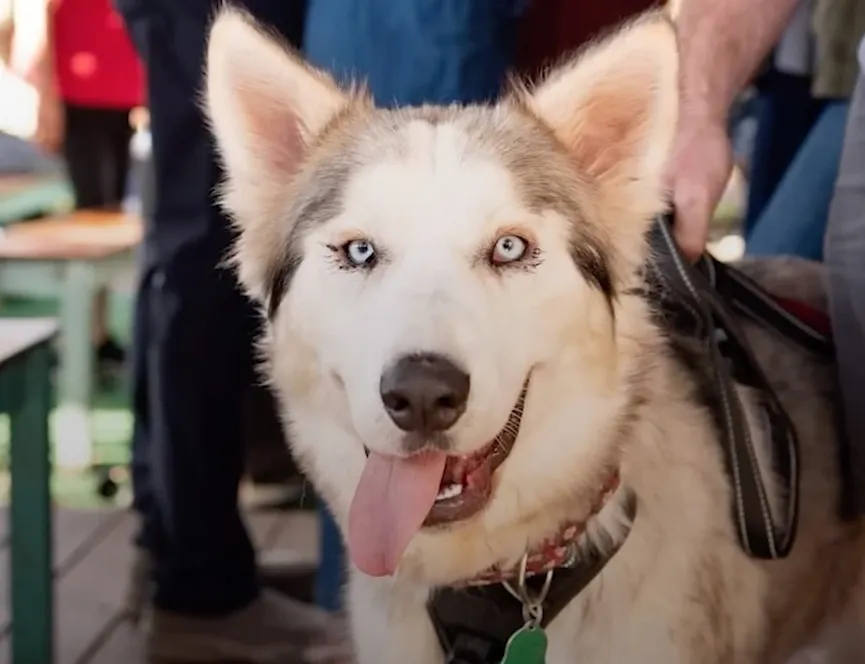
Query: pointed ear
[
  {"x": 265, "y": 107},
  {"x": 615, "y": 108}
]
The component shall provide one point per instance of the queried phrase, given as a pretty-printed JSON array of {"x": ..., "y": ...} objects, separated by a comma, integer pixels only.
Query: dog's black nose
[{"x": 424, "y": 392}]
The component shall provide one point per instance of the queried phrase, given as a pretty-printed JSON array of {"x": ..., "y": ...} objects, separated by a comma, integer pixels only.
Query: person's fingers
[
  {"x": 58, "y": 130},
  {"x": 41, "y": 140},
  {"x": 47, "y": 141},
  {"x": 693, "y": 211},
  {"x": 49, "y": 135},
  {"x": 40, "y": 137},
  {"x": 697, "y": 174}
]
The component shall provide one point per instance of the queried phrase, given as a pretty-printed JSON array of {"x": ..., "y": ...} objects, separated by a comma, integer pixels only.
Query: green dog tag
[{"x": 527, "y": 646}]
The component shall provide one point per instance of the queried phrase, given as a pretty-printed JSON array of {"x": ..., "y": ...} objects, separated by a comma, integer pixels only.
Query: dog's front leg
[{"x": 389, "y": 622}]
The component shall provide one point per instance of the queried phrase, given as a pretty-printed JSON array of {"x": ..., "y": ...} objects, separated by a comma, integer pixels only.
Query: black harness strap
[
  {"x": 752, "y": 301},
  {"x": 707, "y": 295}
]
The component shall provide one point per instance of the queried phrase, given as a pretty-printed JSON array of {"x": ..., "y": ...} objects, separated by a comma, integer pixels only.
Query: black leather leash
[
  {"x": 752, "y": 301},
  {"x": 708, "y": 294}
]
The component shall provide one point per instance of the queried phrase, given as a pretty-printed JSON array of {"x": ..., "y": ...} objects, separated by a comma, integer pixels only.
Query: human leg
[
  {"x": 117, "y": 135},
  {"x": 96, "y": 150},
  {"x": 188, "y": 314},
  {"x": 192, "y": 366},
  {"x": 845, "y": 267},
  {"x": 794, "y": 221},
  {"x": 331, "y": 571},
  {"x": 785, "y": 113},
  {"x": 86, "y": 152}
]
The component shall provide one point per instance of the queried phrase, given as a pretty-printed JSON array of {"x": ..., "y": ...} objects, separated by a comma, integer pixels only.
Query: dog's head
[{"x": 443, "y": 285}]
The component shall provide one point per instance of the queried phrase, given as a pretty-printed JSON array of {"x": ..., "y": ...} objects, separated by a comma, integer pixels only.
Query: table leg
[
  {"x": 76, "y": 370},
  {"x": 30, "y": 542}
]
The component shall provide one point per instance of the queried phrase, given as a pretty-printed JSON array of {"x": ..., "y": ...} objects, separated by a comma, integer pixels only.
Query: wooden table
[
  {"x": 71, "y": 257},
  {"x": 25, "y": 395}
]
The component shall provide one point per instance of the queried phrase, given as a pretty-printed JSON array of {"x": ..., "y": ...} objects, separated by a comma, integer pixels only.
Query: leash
[{"x": 704, "y": 297}]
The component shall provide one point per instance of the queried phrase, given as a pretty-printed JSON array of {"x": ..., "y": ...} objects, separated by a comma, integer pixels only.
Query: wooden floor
[{"x": 92, "y": 554}]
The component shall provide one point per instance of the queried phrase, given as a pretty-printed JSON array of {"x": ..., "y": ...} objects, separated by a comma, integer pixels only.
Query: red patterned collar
[{"x": 554, "y": 552}]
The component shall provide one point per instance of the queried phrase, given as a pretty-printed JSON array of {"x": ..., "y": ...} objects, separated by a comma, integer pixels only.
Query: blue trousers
[
  {"x": 331, "y": 570},
  {"x": 793, "y": 222},
  {"x": 785, "y": 111}
]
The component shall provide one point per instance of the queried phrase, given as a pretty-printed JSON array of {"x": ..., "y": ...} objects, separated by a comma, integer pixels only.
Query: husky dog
[{"x": 469, "y": 369}]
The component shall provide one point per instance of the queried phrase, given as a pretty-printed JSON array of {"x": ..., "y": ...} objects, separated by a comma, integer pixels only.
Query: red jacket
[{"x": 95, "y": 61}]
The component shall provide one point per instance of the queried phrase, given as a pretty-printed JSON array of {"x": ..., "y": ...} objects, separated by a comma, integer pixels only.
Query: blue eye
[
  {"x": 508, "y": 249},
  {"x": 359, "y": 253}
]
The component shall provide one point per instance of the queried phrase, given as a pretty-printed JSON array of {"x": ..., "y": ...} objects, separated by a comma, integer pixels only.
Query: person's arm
[
  {"x": 32, "y": 49},
  {"x": 32, "y": 58},
  {"x": 722, "y": 43}
]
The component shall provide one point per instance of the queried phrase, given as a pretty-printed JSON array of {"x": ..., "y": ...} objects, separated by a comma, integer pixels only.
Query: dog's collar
[
  {"x": 558, "y": 551},
  {"x": 474, "y": 622}
]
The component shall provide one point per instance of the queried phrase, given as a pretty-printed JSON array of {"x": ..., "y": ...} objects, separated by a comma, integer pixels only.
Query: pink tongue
[{"x": 393, "y": 498}]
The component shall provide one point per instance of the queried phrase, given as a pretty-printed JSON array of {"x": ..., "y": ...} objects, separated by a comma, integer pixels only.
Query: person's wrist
[
  {"x": 702, "y": 103},
  {"x": 46, "y": 86},
  {"x": 703, "y": 114}
]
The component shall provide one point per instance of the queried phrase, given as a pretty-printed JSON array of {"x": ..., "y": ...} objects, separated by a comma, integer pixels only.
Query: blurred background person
[
  {"x": 193, "y": 370},
  {"x": 784, "y": 109},
  {"x": 793, "y": 219},
  {"x": 78, "y": 58}
]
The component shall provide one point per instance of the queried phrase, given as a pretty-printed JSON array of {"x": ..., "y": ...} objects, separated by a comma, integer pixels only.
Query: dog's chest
[{"x": 591, "y": 632}]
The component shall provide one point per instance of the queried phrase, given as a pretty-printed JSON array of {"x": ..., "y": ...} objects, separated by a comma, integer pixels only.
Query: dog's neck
[{"x": 557, "y": 551}]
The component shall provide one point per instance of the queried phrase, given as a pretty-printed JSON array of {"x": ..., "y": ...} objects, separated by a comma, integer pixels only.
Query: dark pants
[
  {"x": 192, "y": 356},
  {"x": 96, "y": 150}
]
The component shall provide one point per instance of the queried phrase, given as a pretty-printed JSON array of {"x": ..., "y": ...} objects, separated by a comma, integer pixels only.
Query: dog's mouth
[
  {"x": 398, "y": 496},
  {"x": 466, "y": 483}
]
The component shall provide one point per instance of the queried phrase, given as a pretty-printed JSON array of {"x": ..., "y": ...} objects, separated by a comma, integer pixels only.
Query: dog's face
[{"x": 443, "y": 284}]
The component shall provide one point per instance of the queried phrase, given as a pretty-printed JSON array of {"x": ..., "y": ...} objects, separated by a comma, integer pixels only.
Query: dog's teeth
[{"x": 450, "y": 491}]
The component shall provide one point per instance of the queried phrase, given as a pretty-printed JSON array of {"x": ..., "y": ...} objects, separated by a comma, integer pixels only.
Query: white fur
[{"x": 431, "y": 208}]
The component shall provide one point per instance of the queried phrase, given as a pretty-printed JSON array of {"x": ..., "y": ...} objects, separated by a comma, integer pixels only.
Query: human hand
[
  {"x": 697, "y": 174},
  {"x": 50, "y": 123}
]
